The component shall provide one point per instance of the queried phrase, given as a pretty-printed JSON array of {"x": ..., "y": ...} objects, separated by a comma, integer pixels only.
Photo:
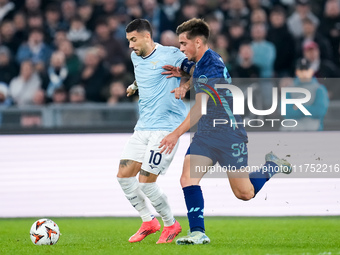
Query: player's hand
[
  {"x": 131, "y": 90},
  {"x": 168, "y": 143},
  {"x": 172, "y": 71},
  {"x": 179, "y": 92}
]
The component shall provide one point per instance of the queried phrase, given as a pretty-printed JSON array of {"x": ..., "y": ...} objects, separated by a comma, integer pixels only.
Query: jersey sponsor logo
[{"x": 202, "y": 79}]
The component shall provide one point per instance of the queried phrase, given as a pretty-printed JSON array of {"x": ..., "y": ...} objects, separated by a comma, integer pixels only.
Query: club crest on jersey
[{"x": 154, "y": 63}]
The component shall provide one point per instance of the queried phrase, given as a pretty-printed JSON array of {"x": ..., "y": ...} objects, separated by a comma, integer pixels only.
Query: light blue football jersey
[{"x": 158, "y": 108}]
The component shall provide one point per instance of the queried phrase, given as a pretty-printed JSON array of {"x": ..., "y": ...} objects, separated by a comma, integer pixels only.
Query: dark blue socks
[
  {"x": 195, "y": 204},
  {"x": 259, "y": 178},
  {"x": 194, "y": 198}
]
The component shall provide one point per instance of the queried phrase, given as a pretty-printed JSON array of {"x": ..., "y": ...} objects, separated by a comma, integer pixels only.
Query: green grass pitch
[{"x": 229, "y": 235}]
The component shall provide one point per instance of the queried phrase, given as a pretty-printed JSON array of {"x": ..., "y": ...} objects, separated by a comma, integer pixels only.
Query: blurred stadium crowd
[{"x": 76, "y": 51}]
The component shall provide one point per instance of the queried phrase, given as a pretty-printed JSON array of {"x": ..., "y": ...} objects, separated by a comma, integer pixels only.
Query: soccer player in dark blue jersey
[{"x": 225, "y": 144}]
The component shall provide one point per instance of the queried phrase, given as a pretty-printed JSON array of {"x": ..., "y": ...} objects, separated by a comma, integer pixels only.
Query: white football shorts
[{"x": 143, "y": 147}]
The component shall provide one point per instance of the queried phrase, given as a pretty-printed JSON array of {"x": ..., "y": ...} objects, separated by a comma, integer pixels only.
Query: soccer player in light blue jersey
[
  {"x": 159, "y": 114},
  {"x": 225, "y": 144}
]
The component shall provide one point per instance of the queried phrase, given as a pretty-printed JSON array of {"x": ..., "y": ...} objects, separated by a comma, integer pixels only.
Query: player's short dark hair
[
  {"x": 194, "y": 27},
  {"x": 139, "y": 25}
]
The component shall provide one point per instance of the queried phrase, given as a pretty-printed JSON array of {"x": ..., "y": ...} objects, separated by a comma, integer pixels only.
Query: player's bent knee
[
  {"x": 125, "y": 174},
  {"x": 186, "y": 181},
  {"x": 244, "y": 195},
  {"x": 128, "y": 168},
  {"x": 121, "y": 175}
]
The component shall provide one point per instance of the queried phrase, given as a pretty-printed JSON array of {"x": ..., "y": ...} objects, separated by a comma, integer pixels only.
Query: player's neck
[
  {"x": 201, "y": 52},
  {"x": 150, "y": 49}
]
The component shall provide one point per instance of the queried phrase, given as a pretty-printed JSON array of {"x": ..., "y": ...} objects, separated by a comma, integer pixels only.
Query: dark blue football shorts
[{"x": 228, "y": 151}]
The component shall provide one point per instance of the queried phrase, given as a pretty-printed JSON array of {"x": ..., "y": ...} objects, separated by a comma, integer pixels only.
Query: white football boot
[
  {"x": 284, "y": 166},
  {"x": 195, "y": 237}
]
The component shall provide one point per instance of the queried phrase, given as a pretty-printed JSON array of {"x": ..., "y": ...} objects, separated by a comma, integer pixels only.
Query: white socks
[
  {"x": 134, "y": 194},
  {"x": 159, "y": 201}
]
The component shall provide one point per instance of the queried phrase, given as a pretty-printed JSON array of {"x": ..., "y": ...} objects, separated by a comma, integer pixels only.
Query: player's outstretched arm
[
  {"x": 182, "y": 90},
  {"x": 172, "y": 71},
  {"x": 131, "y": 89},
  {"x": 168, "y": 143}
]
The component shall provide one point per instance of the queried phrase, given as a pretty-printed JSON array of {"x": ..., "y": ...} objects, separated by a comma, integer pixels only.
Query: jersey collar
[{"x": 156, "y": 46}]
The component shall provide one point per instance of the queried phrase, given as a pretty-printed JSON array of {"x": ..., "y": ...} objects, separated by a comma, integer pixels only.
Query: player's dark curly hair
[
  {"x": 194, "y": 27},
  {"x": 139, "y": 25}
]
